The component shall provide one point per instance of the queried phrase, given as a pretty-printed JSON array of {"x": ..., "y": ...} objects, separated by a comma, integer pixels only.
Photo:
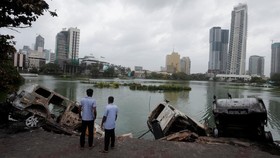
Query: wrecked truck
[{"x": 38, "y": 106}]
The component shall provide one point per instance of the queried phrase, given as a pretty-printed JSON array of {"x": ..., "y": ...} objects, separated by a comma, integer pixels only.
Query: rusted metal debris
[{"x": 38, "y": 106}]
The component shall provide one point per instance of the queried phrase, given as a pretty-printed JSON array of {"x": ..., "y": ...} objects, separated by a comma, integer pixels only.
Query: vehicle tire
[{"x": 34, "y": 121}]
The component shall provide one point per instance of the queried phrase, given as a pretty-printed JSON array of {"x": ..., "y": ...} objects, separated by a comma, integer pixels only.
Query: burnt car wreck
[
  {"x": 233, "y": 117},
  {"x": 240, "y": 117},
  {"x": 166, "y": 122},
  {"x": 37, "y": 106}
]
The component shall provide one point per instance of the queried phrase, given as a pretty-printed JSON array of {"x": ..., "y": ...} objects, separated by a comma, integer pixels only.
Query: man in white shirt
[
  {"x": 88, "y": 109},
  {"x": 109, "y": 124}
]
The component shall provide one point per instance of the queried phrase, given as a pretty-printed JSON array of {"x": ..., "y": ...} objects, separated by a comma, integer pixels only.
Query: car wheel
[{"x": 33, "y": 121}]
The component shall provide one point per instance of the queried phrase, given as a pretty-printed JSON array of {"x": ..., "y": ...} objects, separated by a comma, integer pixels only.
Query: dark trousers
[
  {"x": 90, "y": 126},
  {"x": 109, "y": 135}
]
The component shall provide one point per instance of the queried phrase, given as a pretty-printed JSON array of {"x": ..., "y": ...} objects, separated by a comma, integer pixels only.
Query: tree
[
  {"x": 276, "y": 79},
  {"x": 179, "y": 76},
  {"x": 16, "y": 14},
  {"x": 22, "y": 13},
  {"x": 257, "y": 80},
  {"x": 110, "y": 72},
  {"x": 50, "y": 68},
  {"x": 94, "y": 70}
]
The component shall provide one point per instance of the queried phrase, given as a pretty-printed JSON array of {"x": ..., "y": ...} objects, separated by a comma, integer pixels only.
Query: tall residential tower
[
  {"x": 173, "y": 62},
  {"x": 67, "y": 47},
  {"x": 275, "y": 59},
  {"x": 73, "y": 44},
  {"x": 218, "y": 50},
  {"x": 39, "y": 43},
  {"x": 237, "y": 43},
  {"x": 256, "y": 66},
  {"x": 185, "y": 64}
]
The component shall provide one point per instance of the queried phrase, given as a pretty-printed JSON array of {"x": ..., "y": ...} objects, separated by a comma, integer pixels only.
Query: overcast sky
[{"x": 142, "y": 32}]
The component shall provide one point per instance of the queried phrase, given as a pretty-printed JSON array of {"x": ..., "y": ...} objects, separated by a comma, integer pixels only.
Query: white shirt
[
  {"x": 111, "y": 112},
  {"x": 88, "y": 103}
]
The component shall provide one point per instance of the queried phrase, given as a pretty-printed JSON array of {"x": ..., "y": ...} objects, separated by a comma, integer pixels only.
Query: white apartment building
[{"x": 238, "y": 38}]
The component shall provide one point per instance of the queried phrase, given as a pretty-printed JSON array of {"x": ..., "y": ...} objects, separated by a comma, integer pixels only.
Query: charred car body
[
  {"x": 240, "y": 117},
  {"x": 165, "y": 120},
  {"x": 38, "y": 106}
]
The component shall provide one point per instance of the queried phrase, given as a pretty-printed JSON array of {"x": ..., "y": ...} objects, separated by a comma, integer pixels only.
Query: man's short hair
[
  {"x": 89, "y": 92},
  {"x": 110, "y": 99}
]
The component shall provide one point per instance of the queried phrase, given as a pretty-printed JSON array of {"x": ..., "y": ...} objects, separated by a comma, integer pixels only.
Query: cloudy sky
[{"x": 142, "y": 32}]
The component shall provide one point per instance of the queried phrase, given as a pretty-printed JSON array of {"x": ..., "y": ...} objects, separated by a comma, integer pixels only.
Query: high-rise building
[
  {"x": 256, "y": 66},
  {"x": 52, "y": 57},
  {"x": 185, "y": 65},
  {"x": 39, "y": 43},
  {"x": 73, "y": 44},
  {"x": 275, "y": 59},
  {"x": 61, "y": 48},
  {"x": 173, "y": 62},
  {"x": 67, "y": 47},
  {"x": 237, "y": 43},
  {"x": 218, "y": 50}
]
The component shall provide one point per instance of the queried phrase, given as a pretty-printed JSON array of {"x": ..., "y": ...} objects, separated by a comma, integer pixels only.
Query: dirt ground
[{"x": 43, "y": 144}]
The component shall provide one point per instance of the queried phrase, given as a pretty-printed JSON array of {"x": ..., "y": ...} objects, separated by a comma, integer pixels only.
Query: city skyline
[{"x": 142, "y": 31}]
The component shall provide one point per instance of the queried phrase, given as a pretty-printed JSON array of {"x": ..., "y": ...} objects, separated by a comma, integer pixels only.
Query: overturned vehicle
[
  {"x": 166, "y": 121},
  {"x": 38, "y": 106},
  {"x": 240, "y": 117}
]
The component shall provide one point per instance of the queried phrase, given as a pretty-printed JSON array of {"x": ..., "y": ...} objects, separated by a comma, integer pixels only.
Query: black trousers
[
  {"x": 109, "y": 135},
  {"x": 90, "y": 126}
]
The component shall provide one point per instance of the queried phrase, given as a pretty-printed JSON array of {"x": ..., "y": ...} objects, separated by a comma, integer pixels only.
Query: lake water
[{"x": 135, "y": 106}]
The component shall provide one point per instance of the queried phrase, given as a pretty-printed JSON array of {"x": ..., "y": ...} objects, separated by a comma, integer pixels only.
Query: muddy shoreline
[{"x": 40, "y": 143}]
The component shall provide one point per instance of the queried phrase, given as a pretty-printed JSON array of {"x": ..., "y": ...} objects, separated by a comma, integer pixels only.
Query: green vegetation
[
  {"x": 257, "y": 80},
  {"x": 177, "y": 76},
  {"x": 107, "y": 85},
  {"x": 10, "y": 78},
  {"x": 275, "y": 79},
  {"x": 50, "y": 68},
  {"x": 136, "y": 86}
]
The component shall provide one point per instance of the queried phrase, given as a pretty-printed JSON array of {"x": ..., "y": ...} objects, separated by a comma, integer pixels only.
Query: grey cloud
[{"x": 145, "y": 30}]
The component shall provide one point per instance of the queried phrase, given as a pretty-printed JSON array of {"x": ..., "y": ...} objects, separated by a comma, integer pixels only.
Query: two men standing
[{"x": 88, "y": 109}]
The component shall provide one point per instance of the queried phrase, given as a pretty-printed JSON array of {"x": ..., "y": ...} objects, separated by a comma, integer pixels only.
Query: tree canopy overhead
[{"x": 21, "y": 13}]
